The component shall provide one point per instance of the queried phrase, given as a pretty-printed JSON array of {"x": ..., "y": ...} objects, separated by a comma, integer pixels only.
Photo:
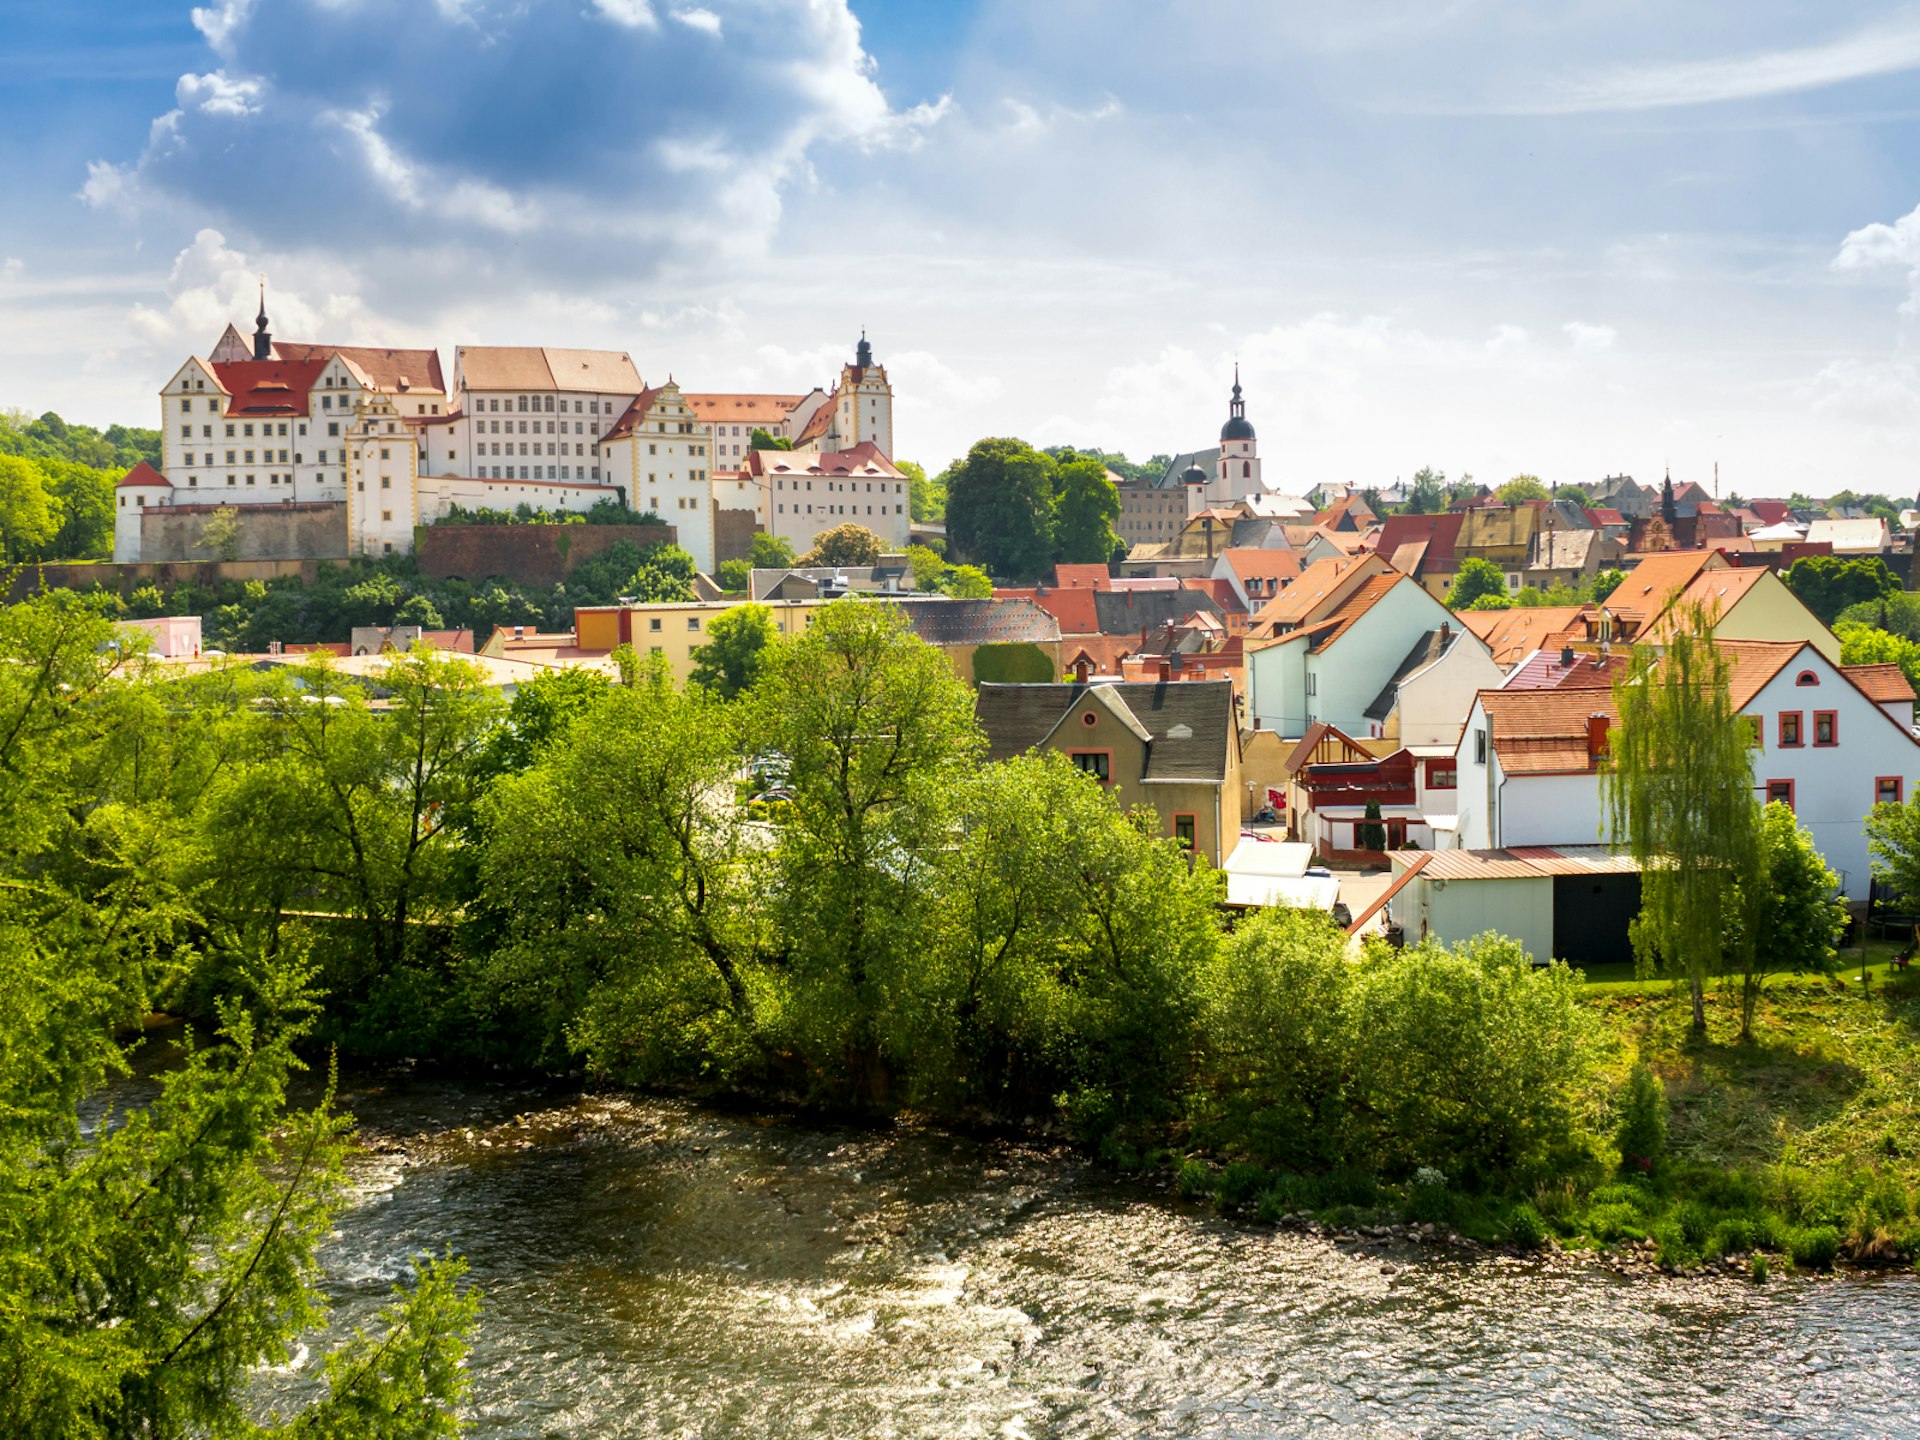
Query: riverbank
[{"x": 1797, "y": 1149}]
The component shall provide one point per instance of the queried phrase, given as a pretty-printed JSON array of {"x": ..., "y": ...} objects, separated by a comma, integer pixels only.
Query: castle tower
[
  {"x": 865, "y": 402},
  {"x": 1239, "y": 468}
]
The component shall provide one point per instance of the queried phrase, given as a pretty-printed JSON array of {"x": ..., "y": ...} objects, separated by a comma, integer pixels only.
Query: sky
[{"x": 1489, "y": 236}]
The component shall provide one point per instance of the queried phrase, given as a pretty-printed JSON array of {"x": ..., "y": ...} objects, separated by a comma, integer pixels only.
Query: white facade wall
[
  {"x": 1434, "y": 702},
  {"x": 1834, "y": 786},
  {"x": 382, "y": 482},
  {"x": 1451, "y": 911},
  {"x": 528, "y": 435},
  {"x": 664, "y": 465},
  {"x": 1290, "y": 692},
  {"x": 1236, "y": 474},
  {"x": 798, "y": 505}
]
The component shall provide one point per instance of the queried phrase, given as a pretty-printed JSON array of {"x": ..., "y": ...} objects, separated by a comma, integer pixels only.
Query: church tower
[
  {"x": 864, "y": 402},
  {"x": 1239, "y": 469}
]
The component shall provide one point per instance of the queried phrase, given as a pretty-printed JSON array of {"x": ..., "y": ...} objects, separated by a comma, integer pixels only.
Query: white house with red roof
[
  {"x": 800, "y": 493},
  {"x": 1830, "y": 741},
  {"x": 1343, "y": 640}
]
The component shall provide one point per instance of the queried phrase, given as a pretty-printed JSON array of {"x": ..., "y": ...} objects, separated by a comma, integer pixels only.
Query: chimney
[
  {"x": 1566, "y": 657},
  {"x": 1597, "y": 735},
  {"x": 1082, "y": 670},
  {"x": 1256, "y": 722},
  {"x": 1166, "y": 670},
  {"x": 519, "y": 632},
  {"x": 1446, "y": 633}
]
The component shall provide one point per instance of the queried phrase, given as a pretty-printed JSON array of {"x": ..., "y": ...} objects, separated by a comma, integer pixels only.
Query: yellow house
[{"x": 1173, "y": 746}]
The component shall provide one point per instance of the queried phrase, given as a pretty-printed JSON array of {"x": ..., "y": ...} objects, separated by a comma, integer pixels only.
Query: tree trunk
[{"x": 1697, "y": 987}]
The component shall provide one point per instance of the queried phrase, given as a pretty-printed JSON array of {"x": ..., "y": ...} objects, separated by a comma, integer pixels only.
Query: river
[{"x": 652, "y": 1268}]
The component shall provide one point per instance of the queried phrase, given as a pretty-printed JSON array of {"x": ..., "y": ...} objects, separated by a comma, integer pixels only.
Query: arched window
[
  {"x": 1246, "y": 469},
  {"x": 1806, "y": 677}
]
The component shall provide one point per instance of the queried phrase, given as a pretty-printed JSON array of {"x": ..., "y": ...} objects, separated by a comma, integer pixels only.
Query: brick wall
[
  {"x": 733, "y": 532},
  {"x": 309, "y": 530},
  {"x": 124, "y": 579},
  {"x": 531, "y": 554}
]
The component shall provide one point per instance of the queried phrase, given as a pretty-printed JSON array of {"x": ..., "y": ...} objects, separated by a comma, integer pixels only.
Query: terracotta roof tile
[
  {"x": 762, "y": 411},
  {"x": 388, "y": 370},
  {"x": 143, "y": 474},
  {"x": 1514, "y": 634},
  {"x": 271, "y": 389},
  {"x": 1882, "y": 684}
]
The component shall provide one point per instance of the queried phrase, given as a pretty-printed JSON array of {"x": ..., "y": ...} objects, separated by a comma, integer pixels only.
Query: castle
[{"x": 328, "y": 451}]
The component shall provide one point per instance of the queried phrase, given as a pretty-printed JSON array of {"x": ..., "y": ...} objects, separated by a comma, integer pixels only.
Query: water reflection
[{"x": 653, "y": 1269}]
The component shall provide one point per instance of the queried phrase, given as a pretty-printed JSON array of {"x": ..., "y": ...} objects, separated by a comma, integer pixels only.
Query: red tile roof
[
  {"x": 270, "y": 388},
  {"x": 144, "y": 474},
  {"x": 629, "y": 424},
  {"x": 1544, "y": 732},
  {"x": 1514, "y": 634},
  {"x": 1439, "y": 532},
  {"x": 1882, "y": 684},
  {"x": 1074, "y": 609}
]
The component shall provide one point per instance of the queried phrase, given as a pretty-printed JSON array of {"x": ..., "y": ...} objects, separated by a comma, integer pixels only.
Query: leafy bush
[
  {"x": 1616, "y": 1220},
  {"x": 1243, "y": 1183},
  {"x": 1526, "y": 1230},
  {"x": 1642, "y": 1132},
  {"x": 1813, "y": 1247},
  {"x": 1194, "y": 1178},
  {"x": 1734, "y": 1235}
]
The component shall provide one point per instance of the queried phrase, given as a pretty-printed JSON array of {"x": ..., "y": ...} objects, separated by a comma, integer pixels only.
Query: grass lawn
[{"x": 1820, "y": 1110}]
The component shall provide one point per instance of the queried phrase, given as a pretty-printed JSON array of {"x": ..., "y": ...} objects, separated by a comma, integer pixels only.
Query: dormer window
[{"x": 1806, "y": 677}]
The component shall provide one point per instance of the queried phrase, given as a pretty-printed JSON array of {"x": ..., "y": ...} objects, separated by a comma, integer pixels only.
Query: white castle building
[{"x": 322, "y": 431}]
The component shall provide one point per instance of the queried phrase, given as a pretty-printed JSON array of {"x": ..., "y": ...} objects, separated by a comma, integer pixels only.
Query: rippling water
[{"x": 654, "y": 1269}]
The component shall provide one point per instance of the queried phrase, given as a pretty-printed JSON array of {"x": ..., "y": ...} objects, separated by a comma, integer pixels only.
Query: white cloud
[
  {"x": 1590, "y": 339},
  {"x": 1882, "y": 50},
  {"x": 216, "y": 93},
  {"x": 12, "y": 267},
  {"x": 1878, "y": 247},
  {"x": 634, "y": 14},
  {"x": 699, "y": 19}
]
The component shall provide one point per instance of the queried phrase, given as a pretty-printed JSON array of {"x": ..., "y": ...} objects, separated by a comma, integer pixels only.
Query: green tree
[
  {"x": 769, "y": 552},
  {"x": 927, "y": 567},
  {"x": 1897, "y": 613},
  {"x": 926, "y": 498},
  {"x": 220, "y": 534},
  {"x": 763, "y": 440},
  {"x": 878, "y": 733},
  {"x": 29, "y": 516},
  {"x": 1427, "y": 492},
  {"x": 1792, "y": 916},
  {"x": 1064, "y": 952},
  {"x": 966, "y": 582},
  {"x": 1576, "y": 494},
  {"x": 1522, "y": 488},
  {"x": 734, "y": 576},
  {"x": 844, "y": 545},
  {"x": 418, "y": 610},
  {"x": 633, "y": 935},
  {"x": 1000, "y": 509},
  {"x": 1863, "y": 645},
  {"x": 1603, "y": 584},
  {"x": 1084, "y": 514},
  {"x": 1893, "y": 839},
  {"x": 84, "y": 497},
  {"x": 1829, "y": 584},
  {"x": 1474, "y": 579},
  {"x": 348, "y": 810},
  {"x": 1372, "y": 835},
  {"x": 664, "y": 575},
  {"x": 542, "y": 712},
  {"x": 149, "y": 1266},
  {"x": 736, "y": 648},
  {"x": 1678, "y": 784}
]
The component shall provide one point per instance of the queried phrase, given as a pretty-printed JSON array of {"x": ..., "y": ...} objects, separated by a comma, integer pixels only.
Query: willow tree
[{"x": 1678, "y": 783}]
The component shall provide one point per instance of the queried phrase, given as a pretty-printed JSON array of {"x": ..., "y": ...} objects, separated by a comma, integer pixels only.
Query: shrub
[
  {"x": 1642, "y": 1133},
  {"x": 1242, "y": 1183},
  {"x": 1194, "y": 1178},
  {"x": 1733, "y": 1236},
  {"x": 1813, "y": 1247},
  {"x": 1525, "y": 1228},
  {"x": 1616, "y": 1221},
  {"x": 1761, "y": 1270},
  {"x": 1694, "y": 1223},
  {"x": 1674, "y": 1247}
]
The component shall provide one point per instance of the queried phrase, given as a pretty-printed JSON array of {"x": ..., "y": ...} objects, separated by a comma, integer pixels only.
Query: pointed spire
[{"x": 262, "y": 339}]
